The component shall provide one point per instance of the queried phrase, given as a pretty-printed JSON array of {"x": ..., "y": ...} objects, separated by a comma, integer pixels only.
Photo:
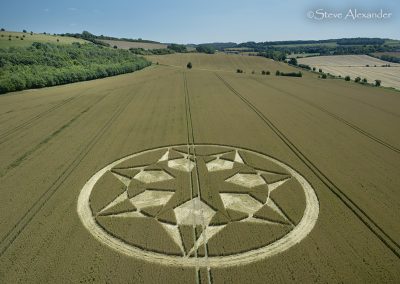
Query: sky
[{"x": 201, "y": 21}]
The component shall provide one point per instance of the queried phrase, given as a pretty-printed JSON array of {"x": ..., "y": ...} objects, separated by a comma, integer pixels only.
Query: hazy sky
[{"x": 186, "y": 21}]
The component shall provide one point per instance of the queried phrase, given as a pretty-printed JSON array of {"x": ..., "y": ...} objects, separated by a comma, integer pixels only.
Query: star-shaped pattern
[{"x": 207, "y": 191}]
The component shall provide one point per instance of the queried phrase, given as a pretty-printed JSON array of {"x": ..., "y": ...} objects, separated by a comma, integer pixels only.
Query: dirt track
[{"x": 343, "y": 138}]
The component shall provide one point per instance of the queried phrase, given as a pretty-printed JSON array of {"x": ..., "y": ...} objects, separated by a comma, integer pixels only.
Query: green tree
[
  {"x": 324, "y": 76},
  {"x": 365, "y": 80},
  {"x": 347, "y": 78},
  {"x": 180, "y": 48},
  {"x": 293, "y": 61},
  {"x": 189, "y": 65},
  {"x": 357, "y": 79},
  {"x": 205, "y": 49},
  {"x": 277, "y": 73},
  {"x": 378, "y": 83}
]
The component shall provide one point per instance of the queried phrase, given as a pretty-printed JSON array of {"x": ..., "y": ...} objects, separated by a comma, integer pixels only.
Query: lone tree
[
  {"x": 365, "y": 80},
  {"x": 2, "y": 29},
  {"x": 357, "y": 80},
  {"x": 115, "y": 46},
  {"x": 378, "y": 83},
  {"x": 189, "y": 65},
  {"x": 277, "y": 73},
  {"x": 324, "y": 76},
  {"x": 347, "y": 78},
  {"x": 320, "y": 70},
  {"x": 293, "y": 61},
  {"x": 24, "y": 31}
]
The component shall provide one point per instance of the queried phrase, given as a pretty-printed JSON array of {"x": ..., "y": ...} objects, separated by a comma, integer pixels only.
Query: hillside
[{"x": 20, "y": 39}]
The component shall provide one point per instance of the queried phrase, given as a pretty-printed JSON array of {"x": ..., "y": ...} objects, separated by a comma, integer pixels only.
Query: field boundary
[
  {"x": 10, "y": 237},
  {"x": 355, "y": 127},
  {"x": 347, "y": 201}
]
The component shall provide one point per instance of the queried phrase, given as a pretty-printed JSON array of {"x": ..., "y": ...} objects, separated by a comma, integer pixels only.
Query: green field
[
  {"x": 28, "y": 39},
  {"x": 171, "y": 175}
]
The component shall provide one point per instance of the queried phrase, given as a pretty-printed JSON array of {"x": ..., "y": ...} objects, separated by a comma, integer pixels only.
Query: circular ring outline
[{"x": 300, "y": 231}]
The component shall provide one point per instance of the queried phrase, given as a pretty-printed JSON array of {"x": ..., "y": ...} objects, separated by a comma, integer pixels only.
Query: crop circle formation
[{"x": 198, "y": 206}]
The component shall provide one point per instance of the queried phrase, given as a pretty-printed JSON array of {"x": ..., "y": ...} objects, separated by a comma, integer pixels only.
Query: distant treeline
[
  {"x": 327, "y": 50},
  {"x": 323, "y": 47},
  {"x": 91, "y": 37},
  {"x": 277, "y": 55},
  {"x": 389, "y": 58},
  {"x": 360, "y": 41},
  {"x": 158, "y": 51},
  {"x": 204, "y": 48},
  {"x": 44, "y": 64}
]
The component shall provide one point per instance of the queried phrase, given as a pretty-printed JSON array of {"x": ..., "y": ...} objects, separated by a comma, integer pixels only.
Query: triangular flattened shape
[
  {"x": 198, "y": 231},
  {"x": 151, "y": 211},
  {"x": 291, "y": 200},
  {"x": 274, "y": 177},
  {"x": 187, "y": 235},
  {"x": 173, "y": 154},
  {"x": 261, "y": 163},
  {"x": 236, "y": 215},
  {"x": 229, "y": 156},
  {"x": 124, "y": 206},
  {"x": 153, "y": 167},
  {"x": 168, "y": 217},
  {"x": 107, "y": 188},
  {"x": 207, "y": 159},
  {"x": 142, "y": 159},
  {"x": 135, "y": 187},
  {"x": 219, "y": 219},
  {"x": 167, "y": 185},
  {"x": 267, "y": 213},
  {"x": 238, "y": 158},
  {"x": 128, "y": 173},
  {"x": 261, "y": 193}
]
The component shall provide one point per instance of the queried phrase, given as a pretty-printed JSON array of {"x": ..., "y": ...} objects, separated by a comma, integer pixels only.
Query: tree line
[{"x": 45, "y": 64}]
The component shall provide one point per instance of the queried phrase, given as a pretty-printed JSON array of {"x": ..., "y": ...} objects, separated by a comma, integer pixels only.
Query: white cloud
[{"x": 72, "y": 9}]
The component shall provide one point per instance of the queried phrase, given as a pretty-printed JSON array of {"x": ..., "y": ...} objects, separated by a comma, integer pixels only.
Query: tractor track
[
  {"x": 354, "y": 127},
  {"x": 30, "y": 121},
  {"x": 10, "y": 237},
  {"x": 385, "y": 111},
  {"x": 347, "y": 201},
  {"x": 189, "y": 124}
]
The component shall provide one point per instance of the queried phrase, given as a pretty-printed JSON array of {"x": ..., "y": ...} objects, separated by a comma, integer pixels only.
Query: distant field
[
  {"x": 393, "y": 53},
  {"x": 355, "y": 66},
  {"x": 221, "y": 62},
  {"x": 128, "y": 44},
  {"x": 29, "y": 39}
]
